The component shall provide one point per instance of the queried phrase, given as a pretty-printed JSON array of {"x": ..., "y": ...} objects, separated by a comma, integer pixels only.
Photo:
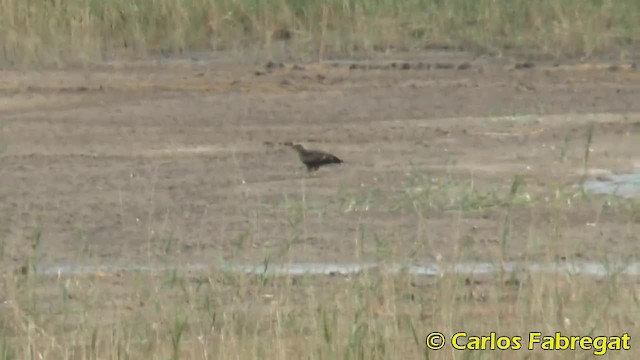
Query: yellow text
[{"x": 599, "y": 344}]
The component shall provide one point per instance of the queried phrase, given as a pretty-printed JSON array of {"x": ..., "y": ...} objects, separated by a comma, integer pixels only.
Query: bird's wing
[{"x": 326, "y": 157}]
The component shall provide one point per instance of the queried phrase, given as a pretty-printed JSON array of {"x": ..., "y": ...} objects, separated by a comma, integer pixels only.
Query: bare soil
[{"x": 180, "y": 161}]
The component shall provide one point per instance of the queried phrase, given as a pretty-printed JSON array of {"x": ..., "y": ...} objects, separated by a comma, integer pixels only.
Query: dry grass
[
  {"x": 90, "y": 30},
  {"x": 368, "y": 316},
  {"x": 365, "y": 316},
  {"x": 371, "y": 315}
]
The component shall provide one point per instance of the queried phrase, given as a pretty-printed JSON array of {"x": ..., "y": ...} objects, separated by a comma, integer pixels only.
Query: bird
[{"x": 314, "y": 159}]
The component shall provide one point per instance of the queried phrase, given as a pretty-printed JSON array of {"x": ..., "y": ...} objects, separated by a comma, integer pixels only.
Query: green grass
[{"x": 90, "y": 30}]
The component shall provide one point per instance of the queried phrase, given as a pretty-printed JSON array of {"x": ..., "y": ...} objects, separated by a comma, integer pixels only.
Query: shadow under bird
[{"x": 314, "y": 159}]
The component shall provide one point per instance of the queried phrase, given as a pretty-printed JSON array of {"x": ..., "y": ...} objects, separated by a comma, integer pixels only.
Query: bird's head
[{"x": 298, "y": 147}]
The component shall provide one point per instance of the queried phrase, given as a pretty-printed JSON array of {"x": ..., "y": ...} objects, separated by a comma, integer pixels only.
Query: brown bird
[{"x": 313, "y": 159}]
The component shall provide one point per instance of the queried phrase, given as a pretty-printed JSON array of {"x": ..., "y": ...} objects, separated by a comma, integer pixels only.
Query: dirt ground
[{"x": 180, "y": 161}]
